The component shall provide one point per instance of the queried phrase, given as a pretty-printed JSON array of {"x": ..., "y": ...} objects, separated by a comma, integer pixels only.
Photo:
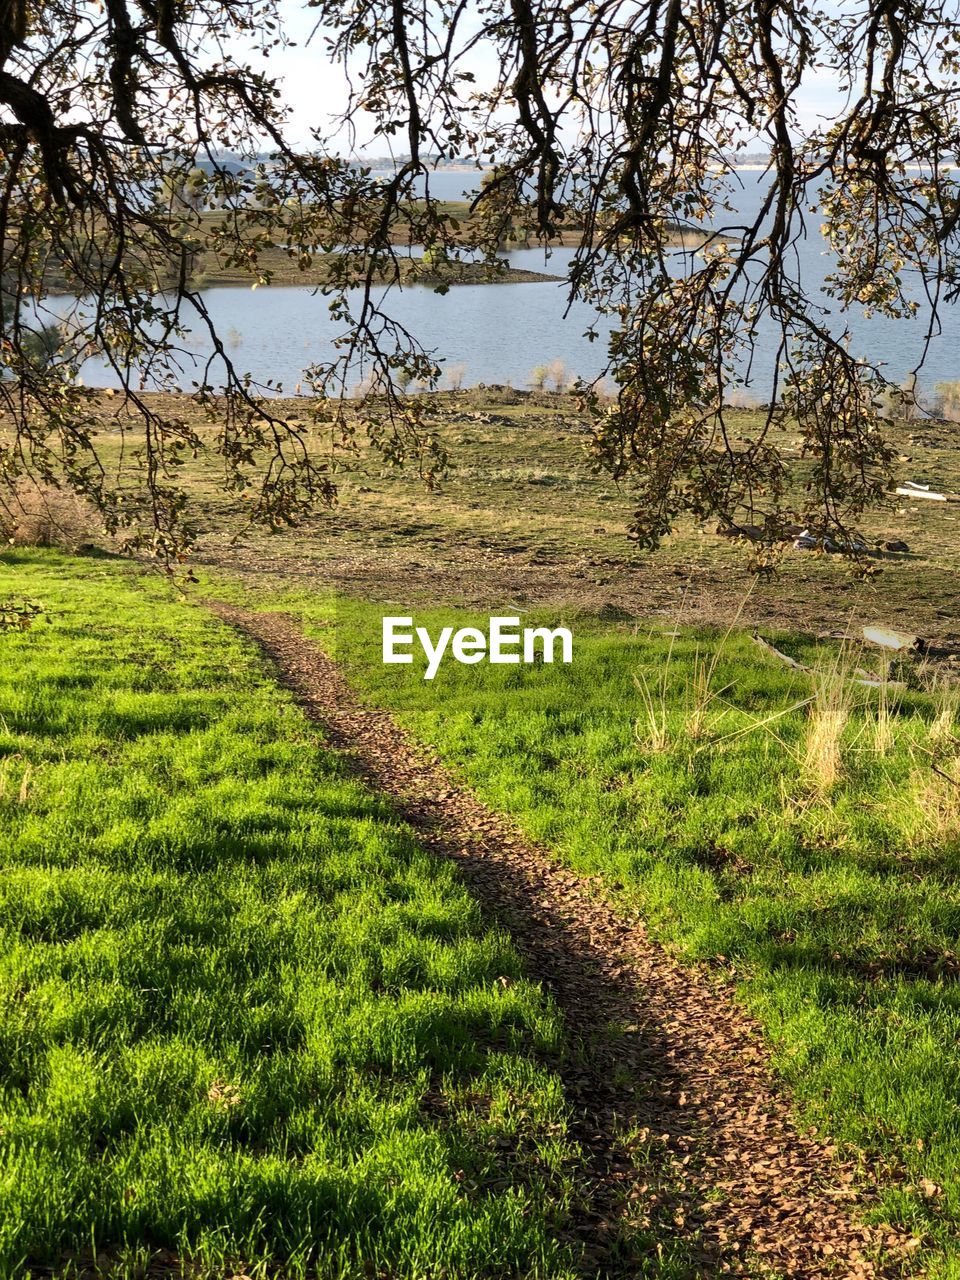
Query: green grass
[
  {"x": 243, "y": 1016},
  {"x": 835, "y": 908}
]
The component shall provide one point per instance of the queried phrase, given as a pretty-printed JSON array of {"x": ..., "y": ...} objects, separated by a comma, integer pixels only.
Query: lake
[{"x": 501, "y": 332}]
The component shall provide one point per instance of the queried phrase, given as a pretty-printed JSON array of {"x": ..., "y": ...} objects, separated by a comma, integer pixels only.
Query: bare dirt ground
[
  {"x": 522, "y": 520},
  {"x": 822, "y": 601},
  {"x": 689, "y": 1145}
]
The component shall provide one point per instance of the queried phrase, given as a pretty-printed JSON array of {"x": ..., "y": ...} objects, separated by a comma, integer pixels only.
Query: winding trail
[{"x": 687, "y": 1138}]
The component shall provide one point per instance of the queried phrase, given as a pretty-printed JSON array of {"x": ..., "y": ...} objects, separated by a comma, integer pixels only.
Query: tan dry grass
[
  {"x": 828, "y": 715},
  {"x": 883, "y": 719},
  {"x": 937, "y": 795},
  {"x": 42, "y": 515},
  {"x": 944, "y": 726}
]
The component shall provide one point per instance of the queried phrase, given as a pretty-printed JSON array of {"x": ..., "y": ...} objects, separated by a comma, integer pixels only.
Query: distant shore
[
  {"x": 285, "y": 272},
  {"x": 280, "y": 271}
]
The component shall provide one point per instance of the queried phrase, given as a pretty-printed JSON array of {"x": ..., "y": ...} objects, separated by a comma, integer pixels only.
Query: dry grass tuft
[
  {"x": 944, "y": 726},
  {"x": 937, "y": 794},
  {"x": 827, "y": 718},
  {"x": 701, "y": 694},
  {"x": 41, "y": 515},
  {"x": 882, "y": 724},
  {"x": 651, "y": 728}
]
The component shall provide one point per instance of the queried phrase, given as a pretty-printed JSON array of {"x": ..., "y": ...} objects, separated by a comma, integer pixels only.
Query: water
[
  {"x": 501, "y": 332},
  {"x": 446, "y": 184}
]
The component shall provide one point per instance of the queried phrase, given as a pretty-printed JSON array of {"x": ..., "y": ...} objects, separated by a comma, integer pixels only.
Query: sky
[{"x": 316, "y": 90}]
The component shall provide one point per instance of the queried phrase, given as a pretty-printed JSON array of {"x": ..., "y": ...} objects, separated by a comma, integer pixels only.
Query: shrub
[
  {"x": 42, "y": 515},
  {"x": 455, "y": 375},
  {"x": 559, "y": 375},
  {"x": 948, "y": 400}
]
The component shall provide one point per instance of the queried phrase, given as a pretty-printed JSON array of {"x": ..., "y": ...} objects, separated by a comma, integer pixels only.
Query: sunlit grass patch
[
  {"x": 796, "y": 829},
  {"x": 230, "y": 983}
]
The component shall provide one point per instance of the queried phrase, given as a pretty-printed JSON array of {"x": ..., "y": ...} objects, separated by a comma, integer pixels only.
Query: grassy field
[
  {"x": 799, "y": 834},
  {"x": 521, "y": 520},
  {"x": 786, "y": 829},
  {"x": 245, "y": 1019}
]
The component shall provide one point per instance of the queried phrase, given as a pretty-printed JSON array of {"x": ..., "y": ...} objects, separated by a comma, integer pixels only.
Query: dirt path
[{"x": 686, "y": 1137}]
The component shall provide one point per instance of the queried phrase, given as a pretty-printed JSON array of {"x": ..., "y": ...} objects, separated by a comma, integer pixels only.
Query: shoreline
[{"x": 408, "y": 278}]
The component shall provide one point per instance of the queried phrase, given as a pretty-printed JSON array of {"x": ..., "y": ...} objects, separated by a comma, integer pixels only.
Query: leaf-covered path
[{"x": 694, "y": 1163}]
